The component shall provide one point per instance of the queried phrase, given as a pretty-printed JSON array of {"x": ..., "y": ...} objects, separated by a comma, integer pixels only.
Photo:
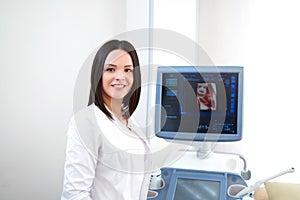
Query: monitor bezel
[{"x": 186, "y": 136}]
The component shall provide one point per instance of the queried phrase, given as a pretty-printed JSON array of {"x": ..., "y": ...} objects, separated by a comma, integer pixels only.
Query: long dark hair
[{"x": 131, "y": 100}]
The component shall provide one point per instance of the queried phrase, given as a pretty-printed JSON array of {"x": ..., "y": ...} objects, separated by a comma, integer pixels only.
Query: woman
[{"x": 107, "y": 156}]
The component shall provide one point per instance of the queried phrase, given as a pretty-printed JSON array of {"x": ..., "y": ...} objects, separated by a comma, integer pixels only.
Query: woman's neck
[{"x": 116, "y": 108}]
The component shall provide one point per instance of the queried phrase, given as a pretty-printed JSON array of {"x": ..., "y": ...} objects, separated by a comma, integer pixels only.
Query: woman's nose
[{"x": 120, "y": 75}]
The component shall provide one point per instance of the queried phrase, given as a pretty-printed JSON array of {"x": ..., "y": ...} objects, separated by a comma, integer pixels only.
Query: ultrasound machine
[{"x": 202, "y": 105}]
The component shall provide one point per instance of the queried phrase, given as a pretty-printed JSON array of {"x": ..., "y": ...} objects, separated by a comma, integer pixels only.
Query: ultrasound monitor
[{"x": 199, "y": 103}]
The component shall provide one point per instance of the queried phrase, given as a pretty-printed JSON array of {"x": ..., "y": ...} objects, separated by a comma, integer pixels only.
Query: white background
[{"x": 43, "y": 45}]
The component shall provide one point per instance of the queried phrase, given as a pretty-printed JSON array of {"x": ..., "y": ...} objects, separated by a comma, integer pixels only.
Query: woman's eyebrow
[
  {"x": 114, "y": 65},
  {"x": 129, "y": 65},
  {"x": 110, "y": 64}
]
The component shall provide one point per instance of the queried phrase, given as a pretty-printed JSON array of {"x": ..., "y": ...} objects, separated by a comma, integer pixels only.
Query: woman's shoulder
[
  {"x": 83, "y": 128},
  {"x": 85, "y": 116}
]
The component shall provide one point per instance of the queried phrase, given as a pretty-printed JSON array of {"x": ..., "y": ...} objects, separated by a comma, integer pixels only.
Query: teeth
[{"x": 119, "y": 86}]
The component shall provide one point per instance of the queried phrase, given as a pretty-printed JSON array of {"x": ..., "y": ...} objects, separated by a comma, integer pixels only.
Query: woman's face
[{"x": 117, "y": 77}]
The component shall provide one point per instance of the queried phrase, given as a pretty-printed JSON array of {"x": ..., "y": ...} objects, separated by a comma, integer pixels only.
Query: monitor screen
[
  {"x": 199, "y": 103},
  {"x": 194, "y": 189}
]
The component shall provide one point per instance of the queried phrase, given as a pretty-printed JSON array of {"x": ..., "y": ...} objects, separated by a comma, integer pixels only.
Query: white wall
[
  {"x": 43, "y": 47},
  {"x": 262, "y": 36}
]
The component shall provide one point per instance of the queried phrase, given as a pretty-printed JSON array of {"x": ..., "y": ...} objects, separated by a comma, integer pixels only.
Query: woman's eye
[
  {"x": 110, "y": 70},
  {"x": 128, "y": 70}
]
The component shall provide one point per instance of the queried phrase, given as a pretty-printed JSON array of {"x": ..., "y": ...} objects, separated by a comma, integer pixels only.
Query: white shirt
[{"x": 105, "y": 159}]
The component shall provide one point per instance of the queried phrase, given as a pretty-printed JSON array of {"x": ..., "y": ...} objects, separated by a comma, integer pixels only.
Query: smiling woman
[{"x": 107, "y": 156}]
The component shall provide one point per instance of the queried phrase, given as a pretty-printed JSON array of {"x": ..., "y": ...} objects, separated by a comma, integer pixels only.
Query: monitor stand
[{"x": 204, "y": 149}]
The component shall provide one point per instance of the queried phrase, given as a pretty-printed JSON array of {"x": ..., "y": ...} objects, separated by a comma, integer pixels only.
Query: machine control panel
[{"x": 178, "y": 184}]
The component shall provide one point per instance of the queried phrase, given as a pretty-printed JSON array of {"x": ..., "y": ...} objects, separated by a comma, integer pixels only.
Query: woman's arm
[{"x": 80, "y": 164}]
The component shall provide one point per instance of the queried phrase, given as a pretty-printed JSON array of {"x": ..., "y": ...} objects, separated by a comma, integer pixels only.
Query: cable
[{"x": 245, "y": 173}]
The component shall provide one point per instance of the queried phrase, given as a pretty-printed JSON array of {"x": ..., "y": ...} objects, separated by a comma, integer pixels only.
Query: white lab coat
[{"x": 105, "y": 159}]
